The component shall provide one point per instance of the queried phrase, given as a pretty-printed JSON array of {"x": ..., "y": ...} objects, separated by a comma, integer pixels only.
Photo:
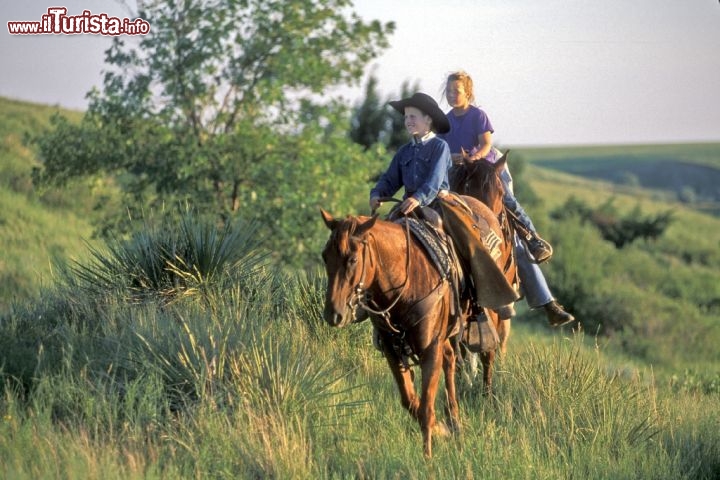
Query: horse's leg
[
  {"x": 431, "y": 365},
  {"x": 404, "y": 378},
  {"x": 504, "y": 334},
  {"x": 487, "y": 359},
  {"x": 451, "y": 405},
  {"x": 466, "y": 362}
]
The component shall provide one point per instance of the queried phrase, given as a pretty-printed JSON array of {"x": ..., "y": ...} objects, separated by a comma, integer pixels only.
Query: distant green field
[{"x": 689, "y": 173}]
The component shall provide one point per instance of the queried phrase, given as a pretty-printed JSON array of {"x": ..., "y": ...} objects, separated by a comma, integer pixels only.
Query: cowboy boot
[
  {"x": 556, "y": 314},
  {"x": 540, "y": 249}
]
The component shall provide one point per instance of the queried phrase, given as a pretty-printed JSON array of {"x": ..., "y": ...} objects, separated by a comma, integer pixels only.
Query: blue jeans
[
  {"x": 533, "y": 285},
  {"x": 511, "y": 202}
]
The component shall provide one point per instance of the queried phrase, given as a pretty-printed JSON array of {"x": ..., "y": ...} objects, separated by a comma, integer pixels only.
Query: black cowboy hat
[{"x": 427, "y": 105}]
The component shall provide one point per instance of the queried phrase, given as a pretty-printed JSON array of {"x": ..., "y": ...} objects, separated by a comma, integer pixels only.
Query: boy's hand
[{"x": 408, "y": 205}]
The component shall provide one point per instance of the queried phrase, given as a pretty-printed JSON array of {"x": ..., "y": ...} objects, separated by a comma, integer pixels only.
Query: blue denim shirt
[{"x": 420, "y": 167}]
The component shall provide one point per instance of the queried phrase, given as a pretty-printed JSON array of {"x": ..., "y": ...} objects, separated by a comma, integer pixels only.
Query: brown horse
[
  {"x": 380, "y": 266},
  {"x": 481, "y": 180}
]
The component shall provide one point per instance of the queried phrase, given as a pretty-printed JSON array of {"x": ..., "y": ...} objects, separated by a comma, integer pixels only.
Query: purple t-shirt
[{"x": 465, "y": 129}]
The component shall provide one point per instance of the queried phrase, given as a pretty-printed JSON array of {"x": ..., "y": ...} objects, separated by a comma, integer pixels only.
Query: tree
[
  {"x": 374, "y": 121},
  {"x": 369, "y": 120},
  {"x": 620, "y": 231},
  {"x": 216, "y": 102}
]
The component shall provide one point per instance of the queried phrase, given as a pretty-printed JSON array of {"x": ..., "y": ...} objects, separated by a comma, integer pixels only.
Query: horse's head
[
  {"x": 482, "y": 180},
  {"x": 348, "y": 267}
]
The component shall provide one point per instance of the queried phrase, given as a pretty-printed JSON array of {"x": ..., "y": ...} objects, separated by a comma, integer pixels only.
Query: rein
[
  {"x": 360, "y": 291},
  {"x": 362, "y": 298}
]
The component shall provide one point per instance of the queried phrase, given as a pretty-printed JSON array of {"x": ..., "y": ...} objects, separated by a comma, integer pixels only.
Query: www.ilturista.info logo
[{"x": 57, "y": 21}]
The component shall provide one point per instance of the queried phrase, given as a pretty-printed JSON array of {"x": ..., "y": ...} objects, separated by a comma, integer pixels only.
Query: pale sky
[{"x": 547, "y": 72}]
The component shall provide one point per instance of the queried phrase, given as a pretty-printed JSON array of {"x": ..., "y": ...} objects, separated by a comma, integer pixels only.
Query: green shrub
[{"x": 169, "y": 261}]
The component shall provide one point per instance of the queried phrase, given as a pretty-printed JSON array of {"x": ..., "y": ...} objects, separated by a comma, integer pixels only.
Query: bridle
[{"x": 361, "y": 297}]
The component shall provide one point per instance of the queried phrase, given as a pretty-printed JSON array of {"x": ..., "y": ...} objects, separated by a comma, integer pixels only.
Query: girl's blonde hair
[{"x": 465, "y": 79}]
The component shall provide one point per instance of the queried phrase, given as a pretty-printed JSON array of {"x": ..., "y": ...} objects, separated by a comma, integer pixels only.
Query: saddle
[
  {"x": 465, "y": 248},
  {"x": 463, "y": 245},
  {"x": 478, "y": 246},
  {"x": 436, "y": 243}
]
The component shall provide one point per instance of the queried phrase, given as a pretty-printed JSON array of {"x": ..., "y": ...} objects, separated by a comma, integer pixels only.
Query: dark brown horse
[
  {"x": 379, "y": 265},
  {"x": 481, "y": 180}
]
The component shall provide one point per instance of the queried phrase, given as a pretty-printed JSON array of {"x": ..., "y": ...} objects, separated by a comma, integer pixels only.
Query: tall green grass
[{"x": 252, "y": 384}]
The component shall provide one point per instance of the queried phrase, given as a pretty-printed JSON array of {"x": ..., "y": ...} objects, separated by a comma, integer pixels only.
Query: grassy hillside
[
  {"x": 35, "y": 226},
  {"x": 107, "y": 375},
  {"x": 573, "y": 173},
  {"x": 666, "y": 291},
  {"x": 19, "y": 119}
]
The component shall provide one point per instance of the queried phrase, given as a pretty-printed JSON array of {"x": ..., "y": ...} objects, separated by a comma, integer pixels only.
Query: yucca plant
[
  {"x": 169, "y": 261},
  {"x": 188, "y": 348},
  {"x": 306, "y": 296}
]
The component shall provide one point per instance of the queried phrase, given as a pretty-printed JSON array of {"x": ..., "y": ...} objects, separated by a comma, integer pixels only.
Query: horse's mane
[{"x": 489, "y": 185}]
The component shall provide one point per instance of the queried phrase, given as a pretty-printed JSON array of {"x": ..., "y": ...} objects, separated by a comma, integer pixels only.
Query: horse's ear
[
  {"x": 363, "y": 228},
  {"x": 330, "y": 222},
  {"x": 500, "y": 164}
]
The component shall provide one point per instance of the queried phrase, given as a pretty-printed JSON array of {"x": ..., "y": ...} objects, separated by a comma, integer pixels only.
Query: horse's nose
[{"x": 332, "y": 317}]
